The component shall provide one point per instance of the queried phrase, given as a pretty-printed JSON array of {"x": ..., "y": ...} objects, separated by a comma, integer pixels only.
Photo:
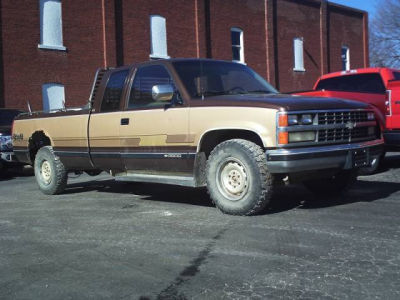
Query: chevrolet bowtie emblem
[{"x": 350, "y": 125}]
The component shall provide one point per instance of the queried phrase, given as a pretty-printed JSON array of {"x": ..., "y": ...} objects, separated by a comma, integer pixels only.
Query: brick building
[{"x": 50, "y": 49}]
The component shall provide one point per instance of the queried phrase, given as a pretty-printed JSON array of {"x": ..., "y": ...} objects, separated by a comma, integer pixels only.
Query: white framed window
[
  {"x": 51, "y": 25},
  {"x": 298, "y": 46},
  {"x": 237, "y": 44},
  {"x": 158, "y": 36},
  {"x": 345, "y": 58},
  {"x": 53, "y": 95}
]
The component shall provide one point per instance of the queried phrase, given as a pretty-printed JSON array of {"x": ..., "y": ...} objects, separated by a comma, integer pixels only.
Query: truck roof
[{"x": 358, "y": 71}]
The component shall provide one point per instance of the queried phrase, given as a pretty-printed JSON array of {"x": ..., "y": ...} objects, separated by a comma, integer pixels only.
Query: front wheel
[
  {"x": 334, "y": 185},
  {"x": 237, "y": 177},
  {"x": 50, "y": 172}
]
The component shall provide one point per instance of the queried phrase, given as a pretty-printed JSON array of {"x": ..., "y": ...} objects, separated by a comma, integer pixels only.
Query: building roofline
[{"x": 345, "y": 7}]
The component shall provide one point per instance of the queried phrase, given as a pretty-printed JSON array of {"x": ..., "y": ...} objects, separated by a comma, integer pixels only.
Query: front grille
[
  {"x": 343, "y": 134},
  {"x": 342, "y": 117}
]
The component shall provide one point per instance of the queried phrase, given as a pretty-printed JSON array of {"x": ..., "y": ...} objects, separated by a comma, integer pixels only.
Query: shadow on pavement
[
  {"x": 296, "y": 196},
  {"x": 284, "y": 199},
  {"x": 14, "y": 172},
  {"x": 147, "y": 191}
]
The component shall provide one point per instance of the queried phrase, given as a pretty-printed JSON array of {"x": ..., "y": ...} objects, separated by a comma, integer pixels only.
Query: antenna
[{"x": 29, "y": 107}]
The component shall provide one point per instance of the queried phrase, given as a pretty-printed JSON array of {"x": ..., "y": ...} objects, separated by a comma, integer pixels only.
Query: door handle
[
  {"x": 125, "y": 121},
  {"x": 397, "y": 102}
]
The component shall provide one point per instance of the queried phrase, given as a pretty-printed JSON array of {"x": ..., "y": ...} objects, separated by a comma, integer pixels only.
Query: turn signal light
[
  {"x": 388, "y": 98},
  {"x": 283, "y": 138},
  {"x": 283, "y": 121}
]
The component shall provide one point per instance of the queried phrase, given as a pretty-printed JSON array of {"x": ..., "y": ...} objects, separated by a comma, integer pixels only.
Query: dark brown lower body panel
[{"x": 142, "y": 159}]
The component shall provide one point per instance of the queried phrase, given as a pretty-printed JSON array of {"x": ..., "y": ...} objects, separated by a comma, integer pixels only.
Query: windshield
[
  {"x": 211, "y": 78},
  {"x": 7, "y": 116}
]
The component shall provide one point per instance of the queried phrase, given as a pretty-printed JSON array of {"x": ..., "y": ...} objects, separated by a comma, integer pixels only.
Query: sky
[{"x": 368, "y": 5}]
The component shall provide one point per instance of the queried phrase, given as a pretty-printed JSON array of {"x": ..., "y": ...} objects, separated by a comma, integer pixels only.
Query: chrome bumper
[{"x": 328, "y": 157}]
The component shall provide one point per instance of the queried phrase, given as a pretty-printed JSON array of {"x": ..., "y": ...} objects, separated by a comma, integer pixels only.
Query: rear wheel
[
  {"x": 50, "y": 172},
  {"x": 237, "y": 177},
  {"x": 334, "y": 185}
]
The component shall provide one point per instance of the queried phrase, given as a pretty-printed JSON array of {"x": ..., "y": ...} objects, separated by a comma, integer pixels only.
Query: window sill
[
  {"x": 52, "y": 47},
  {"x": 299, "y": 70},
  {"x": 154, "y": 56}
]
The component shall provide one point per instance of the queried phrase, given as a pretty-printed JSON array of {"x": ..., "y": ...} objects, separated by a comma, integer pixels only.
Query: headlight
[
  {"x": 293, "y": 120},
  {"x": 371, "y": 116},
  {"x": 304, "y": 136},
  {"x": 306, "y": 119}
]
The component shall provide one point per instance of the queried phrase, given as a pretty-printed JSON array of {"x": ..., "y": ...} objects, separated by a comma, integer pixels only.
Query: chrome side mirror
[{"x": 162, "y": 92}]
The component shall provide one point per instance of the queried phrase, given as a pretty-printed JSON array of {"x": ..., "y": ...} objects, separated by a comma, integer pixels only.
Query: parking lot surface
[{"x": 107, "y": 240}]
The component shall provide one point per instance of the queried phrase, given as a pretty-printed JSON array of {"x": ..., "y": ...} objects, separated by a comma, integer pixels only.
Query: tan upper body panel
[
  {"x": 261, "y": 121},
  {"x": 156, "y": 127},
  {"x": 63, "y": 131}
]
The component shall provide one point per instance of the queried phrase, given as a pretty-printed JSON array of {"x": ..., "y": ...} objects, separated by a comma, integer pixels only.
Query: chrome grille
[
  {"x": 342, "y": 117},
  {"x": 343, "y": 134}
]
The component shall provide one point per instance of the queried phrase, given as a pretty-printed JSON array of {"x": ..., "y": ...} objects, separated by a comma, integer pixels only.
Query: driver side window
[{"x": 141, "y": 91}]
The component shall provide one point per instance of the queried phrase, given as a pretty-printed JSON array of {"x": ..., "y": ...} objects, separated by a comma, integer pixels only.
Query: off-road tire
[
  {"x": 336, "y": 185},
  {"x": 50, "y": 172},
  {"x": 247, "y": 164}
]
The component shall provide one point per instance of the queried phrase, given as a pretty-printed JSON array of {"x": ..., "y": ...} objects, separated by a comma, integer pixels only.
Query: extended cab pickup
[
  {"x": 195, "y": 123},
  {"x": 379, "y": 87}
]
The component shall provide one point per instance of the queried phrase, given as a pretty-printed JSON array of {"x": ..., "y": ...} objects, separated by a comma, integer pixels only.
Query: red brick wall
[
  {"x": 180, "y": 23},
  {"x": 248, "y": 15},
  {"x": 346, "y": 28},
  {"x": 296, "y": 20},
  {"x": 26, "y": 67},
  {"x": 111, "y": 32}
]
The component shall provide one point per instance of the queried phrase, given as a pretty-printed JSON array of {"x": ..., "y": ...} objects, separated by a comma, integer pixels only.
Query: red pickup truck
[{"x": 379, "y": 87}]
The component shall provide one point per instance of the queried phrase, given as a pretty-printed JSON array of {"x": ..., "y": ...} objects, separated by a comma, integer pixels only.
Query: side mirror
[{"x": 162, "y": 92}]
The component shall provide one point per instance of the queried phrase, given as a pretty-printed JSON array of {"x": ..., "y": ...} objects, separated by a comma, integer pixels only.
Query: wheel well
[
  {"x": 38, "y": 140},
  {"x": 213, "y": 138}
]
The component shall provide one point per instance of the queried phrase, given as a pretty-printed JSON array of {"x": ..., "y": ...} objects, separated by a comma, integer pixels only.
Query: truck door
[
  {"x": 104, "y": 123},
  {"x": 154, "y": 134},
  {"x": 393, "y": 105}
]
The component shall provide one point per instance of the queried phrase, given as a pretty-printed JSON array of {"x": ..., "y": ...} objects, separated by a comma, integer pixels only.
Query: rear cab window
[
  {"x": 359, "y": 83},
  {"x": 396, "y": 75},
  {"x": 113, "y": 91}
]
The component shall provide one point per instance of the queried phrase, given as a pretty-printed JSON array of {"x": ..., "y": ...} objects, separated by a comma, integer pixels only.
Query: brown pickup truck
[{"x": 198, "y": 122}]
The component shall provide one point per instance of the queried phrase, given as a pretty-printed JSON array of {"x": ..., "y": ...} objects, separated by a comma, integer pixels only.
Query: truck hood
[{"x": 280, "y": 102}]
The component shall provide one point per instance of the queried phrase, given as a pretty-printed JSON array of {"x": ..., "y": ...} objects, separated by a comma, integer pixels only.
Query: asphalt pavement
[{"x": 103, "y": 239}]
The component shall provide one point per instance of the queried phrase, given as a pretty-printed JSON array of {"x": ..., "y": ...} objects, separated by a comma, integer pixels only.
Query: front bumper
[
  {"x": 346, "y": 156},
  {"x": 8, "y": 157}
]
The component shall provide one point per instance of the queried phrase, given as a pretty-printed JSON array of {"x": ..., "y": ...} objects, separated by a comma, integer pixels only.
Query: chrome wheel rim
[
  {"x": 45, "y": 172},
  {"x": 232, "y": 179}
]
